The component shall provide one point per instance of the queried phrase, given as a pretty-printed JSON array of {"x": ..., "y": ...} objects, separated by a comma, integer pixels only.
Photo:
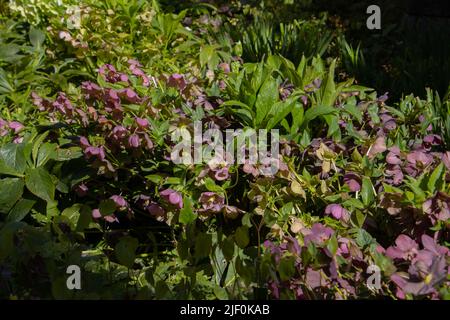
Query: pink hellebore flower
[
  {"x": 337, "y": 211},
  {"x": 173, "y": 197},
  {"x": 143, "y": 123},
  {"x": 16, "y": 126}
]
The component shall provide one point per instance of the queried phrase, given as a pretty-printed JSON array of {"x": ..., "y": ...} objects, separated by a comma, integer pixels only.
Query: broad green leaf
[
  {"x": 187, "y": 214},
  {"x": 286, "y": 268},
  {"x": 40, "y": 183},
  {"x": 20, "y": 210},
  {"x": 434, "y": 178},
  {"x": 203, "y": 245},
  {"x": 47, "y": 151},
  {"x": 354, "y": 111},
  {"x": 84, "y": 219},
  {"x": 278, "y": 112},
  {"x": 107, "y": 207},
  {"x": 317, "y": 111},
  {"x": 268, "y": 95},
  {"x": 6, "y": 238},
  {"x": 367, "y": 193},
  {"x": 241, "y": 236},
  {"x": 332, "y": 245},
  {"x": 72, "y": 213},
  {"x": 12, "y": 159},
  {"x": 37, "y": 37},
  {"x": 11, "y": 190},
  {"x": 329, "y": 91},
  {"x": 126, "y": 251},
  {"x": 37, "y": 144},
  {"x": 212, "y": 186}
]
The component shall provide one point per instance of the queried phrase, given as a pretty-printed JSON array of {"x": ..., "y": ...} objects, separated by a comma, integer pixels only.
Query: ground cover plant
[{"x": 92, "y": 92}]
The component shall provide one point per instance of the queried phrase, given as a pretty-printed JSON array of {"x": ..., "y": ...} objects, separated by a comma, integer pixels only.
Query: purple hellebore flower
[
  {"x": 111, "y": 218},
  {"x": 437, "y": 207},
  {"x": 221, "y": 174},
  {"x": 337, "y": 211},
  {"x": 396, "y": 173},
  {"x": 405, "y": 248},
  {"x": 119, "y": 132},
  {"x": 84, "y": 142},
  {"x": 173, "y": 197},
  {"x": 318, "y": 234},
  {"x": 177, "y": 81},
  {"x": 95, "y": 152},
  {"x": 16, "y": 126},
  {"x": 157, "y": 212},
  {"x": 211, "y": 201},
  {"x": 81, "y": 190},
  {"x": 419, "y": 158},
  {"x": 96, "y": 214},
  {"x": 393, "y": 156},
  {"x": 225, "y": 67},
  {"x": 231, "y": 212},
  {"x": 143, "y": 123},
  {"x": 431, "y": 140},
  {"x": 120, "y": 202},
  {"x": 378, "y": 146},
  {"x": 353, "y": 181},
  {"x": 130, "y": 95},
  {"x": 134, "y": 141}
]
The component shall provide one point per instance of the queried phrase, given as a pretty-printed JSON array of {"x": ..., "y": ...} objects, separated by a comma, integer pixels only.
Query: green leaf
[
  {"x": 11, "y": 190},
  {"x": 107, "y": 207},
  {"x": 354, "y": 203},
  {"x": 212, "y": 186},
  {"x": 187, "y": 214},
  {"x": 329, "y": 91},
  {"x": 154, "y": 178},
  {"x": 67, "y": 154},
  {"x": 20, "y": 210},
  {"x": 40, "y": 183},
  {"x": 367, "y": 193},
  {"x": 72, "y": 213},
  {"x": 317, "y": 111},
  {"x": 12, "y": 159},
  {"x": 241, "y": 237},
  {"x": 6, "y": 238},
  {"x": 84, "y": 219},
  {"x": 227, "y": 247},
  {"x": 286, "y": 268},
  {"x": 354, "y": 111},
  {"x": 203, "y": 245},
  {"x": 47, "y": 151},
  {"x": 37, "y": 37},
  {"x": 363, "y": 238},
  {"x": 37, "y": 144},
  {"x": 332, "y": 245},
  {"x": 435, "y": 176},
  {"x": 126, "y": 251},
  {"x": 267, "y": 97},
  {"x": 278, "y": 112}
]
